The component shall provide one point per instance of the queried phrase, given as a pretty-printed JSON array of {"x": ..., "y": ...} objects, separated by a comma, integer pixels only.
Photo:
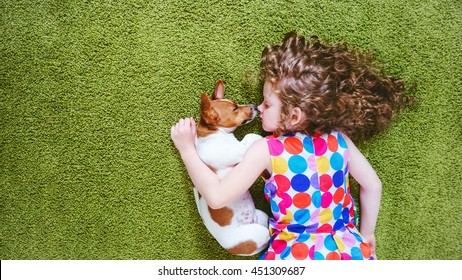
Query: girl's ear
[{"x": 297, "y": 116}]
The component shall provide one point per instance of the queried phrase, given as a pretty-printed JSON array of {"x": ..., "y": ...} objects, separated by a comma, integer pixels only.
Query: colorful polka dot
[
  {"x": 300, "y": 251},
  {"x": 338, "y": 178},
  {"x": 276, "y": 147},
  {"x": 280, "y": 165},
  {"x": 320, "y": 146},
  {"x": 332, "y": 143},
  {"x": 325, "y": 216},
  {"x": 300, "y": 183},
  {"x": 322, "y": 164},
  {"x": 326, "y": 200},
  {"x": 325, "y": 182},
  {"x": 302, "y": 216},
  {"x": 282, "y": 182},
  {"x": 293, "y": 145},
  {"x": 336, "y": 161},
  {"x": 308, "y": 145},
  {"x": 302, "y": 200},
  {"x": 341, "y": 141},
  {"x": 297, "y": 164}
]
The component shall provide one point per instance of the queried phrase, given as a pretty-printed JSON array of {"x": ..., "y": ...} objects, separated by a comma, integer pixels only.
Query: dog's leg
[
  {"x": 262, "y": 218},
  {"x": 246, "y": 240},
  {"x": 197, "y": 198}
]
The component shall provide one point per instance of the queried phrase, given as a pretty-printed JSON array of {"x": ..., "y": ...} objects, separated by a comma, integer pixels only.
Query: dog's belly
[{"x": 243, "y": 210}]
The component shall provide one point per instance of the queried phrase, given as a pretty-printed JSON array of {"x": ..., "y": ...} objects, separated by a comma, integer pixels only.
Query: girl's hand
[{"x": 183, "y": 134}]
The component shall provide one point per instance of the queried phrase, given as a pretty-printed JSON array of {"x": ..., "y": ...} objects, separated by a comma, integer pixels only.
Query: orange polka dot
[
  {"x": 293, "y": 145},
  {"x": 338, "y": 195},
  {"x": 333, "y": 256},
  {"x": 332, "y": 143},
  {"x": 347, "y": 200},
  {"x": 365, "y": 249},
  {"x": 301, "y": 200},
  {"x": 300, "y": 251}
]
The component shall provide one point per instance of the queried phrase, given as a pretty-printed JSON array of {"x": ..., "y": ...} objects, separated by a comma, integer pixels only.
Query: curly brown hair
[{"x": 338, "y": 87}]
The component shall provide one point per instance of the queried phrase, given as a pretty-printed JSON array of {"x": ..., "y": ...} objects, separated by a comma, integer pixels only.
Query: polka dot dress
[{"x": 309, "y": 195}]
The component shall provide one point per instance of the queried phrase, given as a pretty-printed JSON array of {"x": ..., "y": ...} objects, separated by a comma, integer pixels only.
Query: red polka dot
[
  {"x": 270, "y": 256},
  {"x": 325, "y": 182},
  {"x": 279, "y": 246},
  {"x": 300, "y": 251},
  {"x": 325, "y": 228},
  {"x": 293, "y": 145},
  {"x": 332, "y": 143},
  {"x": 333, "y": 256},
  {"x": 302, "y": 200},
  {"x": 345, "y": 256},
  {"x": 282, "y": 182}
]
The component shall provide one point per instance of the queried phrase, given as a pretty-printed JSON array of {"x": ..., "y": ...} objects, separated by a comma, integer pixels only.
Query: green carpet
[{"x": 89, "y": 90}]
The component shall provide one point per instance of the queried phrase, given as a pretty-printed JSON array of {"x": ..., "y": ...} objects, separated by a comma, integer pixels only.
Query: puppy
[{"x": 239, "y": 227}]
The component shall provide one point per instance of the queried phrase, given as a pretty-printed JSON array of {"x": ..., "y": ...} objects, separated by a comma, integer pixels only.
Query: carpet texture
[{"x": 90, "y": 89}]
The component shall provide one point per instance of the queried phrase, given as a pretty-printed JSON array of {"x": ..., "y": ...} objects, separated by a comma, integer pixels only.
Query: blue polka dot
[
  {"x": 341, "y": 141},
  {"x": 303, "y": 237},
  {"x": 285, "y": 253},
  {"x": 316, "y": 199},
  {"x": 308, "y": 144},
  {"x": 300, "y": 183},
  {"x": 297, "y": 164},
  {"x": 318, "y": 256},
  {"x": 302, "y": 216},
  {"x": 358, "y": 237},
  {"x": 296, "y": 228},
  {"x": 356, "y": 254},
  {"x": 337, "y": 213},
  {"x": 329, "y": 243},
  {"x": 274, "y": 206},
  {"x": 338, "y": 178},
  {"x": 336, "y": 161},
  {"x": 338, "y": 225},
  {"x": 346, "y": 214}
]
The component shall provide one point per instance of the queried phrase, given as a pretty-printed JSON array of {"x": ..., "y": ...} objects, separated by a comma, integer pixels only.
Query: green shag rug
[{"x": 90, "y": 89}]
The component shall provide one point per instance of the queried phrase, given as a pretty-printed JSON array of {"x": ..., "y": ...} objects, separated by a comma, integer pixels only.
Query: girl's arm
[
  {"x": 218, "y": 193},
  {"x": 370, "y": 192}
]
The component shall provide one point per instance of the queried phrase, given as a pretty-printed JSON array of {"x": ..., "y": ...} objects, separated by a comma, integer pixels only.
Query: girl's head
[{"x": 311, "y": 87}]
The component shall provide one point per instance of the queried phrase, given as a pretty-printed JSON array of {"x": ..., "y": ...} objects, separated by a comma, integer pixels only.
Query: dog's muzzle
[{"x": 254, "y": 113}]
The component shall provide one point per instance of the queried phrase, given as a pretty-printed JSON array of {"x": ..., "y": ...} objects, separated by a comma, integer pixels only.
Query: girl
[{"x": 316, "y": 98}]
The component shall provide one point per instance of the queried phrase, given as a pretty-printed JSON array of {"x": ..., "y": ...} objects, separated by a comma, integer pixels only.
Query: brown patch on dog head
[
  {"x": 244, "y": 248},
  {"x": 220, "y": 112},
  {"x": 222, "y": 216}
]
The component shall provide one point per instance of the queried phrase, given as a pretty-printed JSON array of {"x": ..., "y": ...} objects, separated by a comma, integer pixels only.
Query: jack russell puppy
[{"x": 239, "y": 227}]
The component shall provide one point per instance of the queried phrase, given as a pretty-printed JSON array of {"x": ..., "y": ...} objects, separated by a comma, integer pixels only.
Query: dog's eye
[{"x": 235, "y": 108}]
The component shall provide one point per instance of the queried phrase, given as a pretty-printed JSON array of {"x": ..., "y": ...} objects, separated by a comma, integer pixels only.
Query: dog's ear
[
  {"x": 205, "y": 102},
  {"x": 208, "y": 115},
  {"x": 219, "y": 92}
]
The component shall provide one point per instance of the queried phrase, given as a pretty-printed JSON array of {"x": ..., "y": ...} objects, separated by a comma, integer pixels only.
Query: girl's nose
[{"x": 259, "y": 107}]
